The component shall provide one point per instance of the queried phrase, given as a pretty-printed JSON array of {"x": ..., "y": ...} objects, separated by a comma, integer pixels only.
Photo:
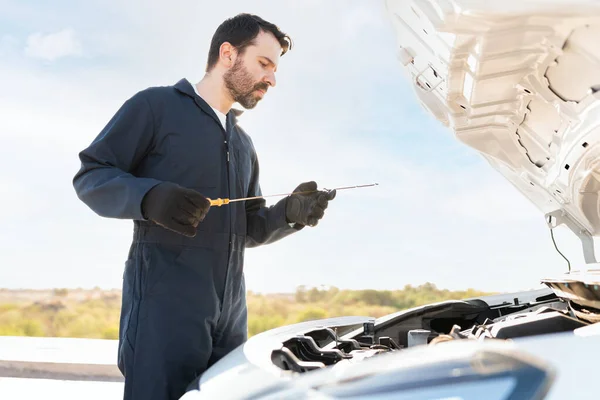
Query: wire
[{"x": 556, "y": 247}]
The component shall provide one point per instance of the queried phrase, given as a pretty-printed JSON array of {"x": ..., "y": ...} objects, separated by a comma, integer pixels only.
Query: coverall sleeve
[
  {"x": 265, "y": 225},
  {"x": 106, "y": 182}
]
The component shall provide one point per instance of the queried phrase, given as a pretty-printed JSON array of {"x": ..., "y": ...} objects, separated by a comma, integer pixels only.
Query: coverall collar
[{"x": 185, "y": 87}]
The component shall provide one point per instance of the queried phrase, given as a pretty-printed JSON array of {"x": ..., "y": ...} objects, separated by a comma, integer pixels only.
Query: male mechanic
[{"x": 158, "y": 161}]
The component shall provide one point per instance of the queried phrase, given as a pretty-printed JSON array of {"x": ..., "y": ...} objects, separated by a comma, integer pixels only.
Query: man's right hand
[{"x": 175, "y": 208}]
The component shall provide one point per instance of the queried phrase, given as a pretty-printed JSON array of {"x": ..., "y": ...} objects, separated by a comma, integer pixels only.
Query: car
[{"x": 517, "y": 81}]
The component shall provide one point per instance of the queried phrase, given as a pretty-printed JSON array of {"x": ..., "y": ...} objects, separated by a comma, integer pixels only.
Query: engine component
[
  {"x": 368, "y": 336},
  {"x": 389, "y": 343},
  {"x": 528, "y": 325},
  {"x": 305, "y": 348},
  {"x": 345, "y": 345},
  {"x": 588, "y": 314},
  {"x": 286, "y": 360},
  {"x": 441, "y": 339},
  {"x": 455, "y": 334},
  {"x": 417, "y": 337}
]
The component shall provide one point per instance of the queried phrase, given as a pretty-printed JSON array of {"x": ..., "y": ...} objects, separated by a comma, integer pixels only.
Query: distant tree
[
  {"x": 32, "y": 328},
  {"x": 300, "y": 295},
  {"x": 61, "y": 292},
  {"x": 311, "y": 313},
  {"x": 111, "y": 332},
  {"x": 314, "y": 295}
]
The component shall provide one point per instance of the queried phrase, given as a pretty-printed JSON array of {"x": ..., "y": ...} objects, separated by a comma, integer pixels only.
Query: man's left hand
[{"x": 306, "y": 205}]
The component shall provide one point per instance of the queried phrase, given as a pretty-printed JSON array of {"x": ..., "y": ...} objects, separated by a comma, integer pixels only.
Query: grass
[{"x": 95, "y": 313}]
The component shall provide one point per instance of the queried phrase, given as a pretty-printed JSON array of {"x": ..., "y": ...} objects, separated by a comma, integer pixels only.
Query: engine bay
[{"x": 430, "y": 326}]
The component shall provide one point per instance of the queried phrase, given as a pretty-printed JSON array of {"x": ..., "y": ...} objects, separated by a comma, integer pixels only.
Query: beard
[{"x": 241, "y": 86}]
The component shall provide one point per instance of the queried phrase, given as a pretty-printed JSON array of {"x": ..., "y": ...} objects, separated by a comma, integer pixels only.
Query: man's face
[{"x": 253, "y": 71}]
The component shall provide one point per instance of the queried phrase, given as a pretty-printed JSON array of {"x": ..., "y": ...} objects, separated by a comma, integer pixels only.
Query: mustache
[{"x": 261, "y": 86}]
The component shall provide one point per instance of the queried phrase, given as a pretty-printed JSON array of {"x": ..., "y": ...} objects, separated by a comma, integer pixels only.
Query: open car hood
[{"x": 518, "y": 81}]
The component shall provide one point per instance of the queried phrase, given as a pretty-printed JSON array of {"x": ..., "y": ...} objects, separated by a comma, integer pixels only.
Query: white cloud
[{"x": 53, "y": 46}]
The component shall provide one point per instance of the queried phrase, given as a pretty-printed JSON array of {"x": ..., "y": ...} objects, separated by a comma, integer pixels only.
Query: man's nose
[{"x": 270, "y": 79}]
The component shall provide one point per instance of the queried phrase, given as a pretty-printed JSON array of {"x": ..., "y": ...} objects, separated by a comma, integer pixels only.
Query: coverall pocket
[
  {"x": 129, "y": 312},
  {"x": 161, "y": 264},
  {"x": 243, "y": 161}
]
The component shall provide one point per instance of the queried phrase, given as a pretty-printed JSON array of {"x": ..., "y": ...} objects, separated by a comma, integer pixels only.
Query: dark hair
[{"x": 241, "y": 31}]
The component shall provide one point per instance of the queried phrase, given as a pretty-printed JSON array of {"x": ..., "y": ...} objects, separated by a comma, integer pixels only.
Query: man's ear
[{"x": 227, "y": 54}]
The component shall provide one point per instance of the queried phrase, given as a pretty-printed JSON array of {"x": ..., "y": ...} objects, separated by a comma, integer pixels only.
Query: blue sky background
[{"x": 341, "y": 114}]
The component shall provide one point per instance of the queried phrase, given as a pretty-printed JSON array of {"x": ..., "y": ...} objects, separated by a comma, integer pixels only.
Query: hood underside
[{"x": 517, "y": 81}]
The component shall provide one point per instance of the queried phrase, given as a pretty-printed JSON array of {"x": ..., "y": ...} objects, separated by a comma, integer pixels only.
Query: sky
[{"x": 342, "y": 114}]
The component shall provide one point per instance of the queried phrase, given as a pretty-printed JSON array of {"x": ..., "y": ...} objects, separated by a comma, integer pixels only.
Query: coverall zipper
[{"x": 227, "y": 273}]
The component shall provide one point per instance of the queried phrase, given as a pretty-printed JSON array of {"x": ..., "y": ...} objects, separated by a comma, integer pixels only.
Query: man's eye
[{"x": 263, "y": 64}]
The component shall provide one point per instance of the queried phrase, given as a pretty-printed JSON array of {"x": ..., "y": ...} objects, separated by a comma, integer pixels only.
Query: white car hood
[{"x": 518, "y": 81}]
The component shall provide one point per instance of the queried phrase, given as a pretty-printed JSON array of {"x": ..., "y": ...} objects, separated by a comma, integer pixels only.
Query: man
[{"x": 159, "y": 160}]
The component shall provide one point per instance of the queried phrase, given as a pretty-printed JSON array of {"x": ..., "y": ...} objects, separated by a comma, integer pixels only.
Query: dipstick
[{"x": 220, "y": 202}]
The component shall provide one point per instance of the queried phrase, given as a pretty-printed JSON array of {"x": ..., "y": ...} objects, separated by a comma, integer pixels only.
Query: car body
[{"x": 518, "y": 81}]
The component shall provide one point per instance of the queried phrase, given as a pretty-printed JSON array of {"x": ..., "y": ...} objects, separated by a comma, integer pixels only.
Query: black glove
[
  {"x": 307, "y": 208},
  {"x": 176, "y": 208}
]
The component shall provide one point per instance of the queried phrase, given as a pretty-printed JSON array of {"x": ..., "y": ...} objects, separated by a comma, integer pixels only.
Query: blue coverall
[{"x": 184, "y": 303}]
